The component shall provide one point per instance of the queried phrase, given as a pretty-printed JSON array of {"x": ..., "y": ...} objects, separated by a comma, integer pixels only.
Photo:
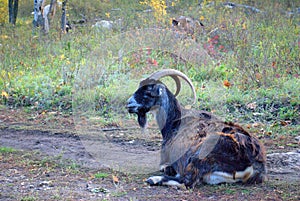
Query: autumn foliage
[{"x": 3, "y": 11}]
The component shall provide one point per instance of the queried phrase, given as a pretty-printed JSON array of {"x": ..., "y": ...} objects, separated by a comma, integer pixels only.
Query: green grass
[
  {"x": 101, "y": 175},
  {"x": 257, "y": 53},
  {"x": 7, "y": 150},
  {"x": 28, "y": 198}
]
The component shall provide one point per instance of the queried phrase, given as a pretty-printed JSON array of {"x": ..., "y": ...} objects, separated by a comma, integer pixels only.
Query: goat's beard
[{"x": 142, "y": 119}]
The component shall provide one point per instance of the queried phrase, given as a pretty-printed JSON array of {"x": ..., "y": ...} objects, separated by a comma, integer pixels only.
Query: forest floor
[{"x": 43, "y": 158}]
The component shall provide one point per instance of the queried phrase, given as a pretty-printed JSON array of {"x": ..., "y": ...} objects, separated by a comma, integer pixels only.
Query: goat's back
[{"x": 203, "y": 143}]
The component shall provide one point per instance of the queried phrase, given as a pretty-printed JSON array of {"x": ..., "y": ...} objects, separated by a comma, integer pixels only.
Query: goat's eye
[{"x": 147, "y": 94}]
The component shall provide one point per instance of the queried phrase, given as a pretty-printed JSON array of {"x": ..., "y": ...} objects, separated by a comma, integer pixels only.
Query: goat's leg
[
  {"x": 204, "y": 171},
  {"x": 218, "y": 177},
  {"x": 168, "y": 170},
  {"x": 165, "y": 180}
]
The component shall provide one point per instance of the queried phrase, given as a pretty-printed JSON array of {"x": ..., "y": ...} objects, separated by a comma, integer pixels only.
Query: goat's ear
[
  {"x": 175, "y": 22},
  {"x": 157, "y": 90}
]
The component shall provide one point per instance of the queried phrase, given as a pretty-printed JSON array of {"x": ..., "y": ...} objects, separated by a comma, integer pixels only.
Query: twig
[{"x": 233, "y": 5}]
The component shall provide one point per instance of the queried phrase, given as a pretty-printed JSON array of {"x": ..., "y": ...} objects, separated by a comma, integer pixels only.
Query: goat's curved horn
[
  {"x": 151, "y": 79},
  {"x": 174, "y": 74}
]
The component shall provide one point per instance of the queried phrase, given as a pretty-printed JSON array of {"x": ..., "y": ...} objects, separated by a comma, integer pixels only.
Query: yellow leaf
[
  {"x": 226, "y": 83},
  {"x": 4, "y": 37},
  {"x": 5, "y": 94},
  {"x": 28, "y": 21},
  {"x": 143, "y": 2},
  {"x": 244, "y": 26},
  {"x": 115, "y": 179}
]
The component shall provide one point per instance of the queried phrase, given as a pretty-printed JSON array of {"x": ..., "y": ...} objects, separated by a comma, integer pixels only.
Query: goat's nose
[
  {"x": 130, "y": 100},
  {"x": 132, "y": 106}
]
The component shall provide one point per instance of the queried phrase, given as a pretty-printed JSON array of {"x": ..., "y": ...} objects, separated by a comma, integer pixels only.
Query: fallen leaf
[
  {"x": 62, "y": 57},
  {"x": 5, "y": 94},
  {"x": 244, "y": 26},
  {"x": 285, "y": 123},
  {"x": 115, "y": 179},
  {"x": 252, "y": 106},
  {"x": 226, "y": 83},
  {"x": 256, "y": 124}
]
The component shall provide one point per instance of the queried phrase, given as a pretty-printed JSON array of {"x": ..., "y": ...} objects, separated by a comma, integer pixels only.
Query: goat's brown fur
[
  {"x": 197, "y": 146},
  {"x": 187, "y": 27},
  {"x": 230, "y": 138}
]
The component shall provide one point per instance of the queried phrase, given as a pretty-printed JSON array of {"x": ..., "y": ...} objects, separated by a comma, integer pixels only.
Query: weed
[
  {"x": 7, "y": 150},
  {"x": 28, "y": 198},
  {"x": 73, "y": 166},
  {"x": 246, "y": 191},
  {"x": 56, "y": 197},
  {"x": 230, "y": 191},
  {"x": 101, "y": 175},
  {"x": 257, "y": 54},
  {"x": 119, "y": 193}
]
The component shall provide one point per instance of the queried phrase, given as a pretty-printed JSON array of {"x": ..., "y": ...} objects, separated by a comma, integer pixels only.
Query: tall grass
[{"x": 258, "y": 54}]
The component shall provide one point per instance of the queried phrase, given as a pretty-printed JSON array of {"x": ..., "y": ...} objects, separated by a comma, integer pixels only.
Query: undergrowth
[{"x": 254, "y": 75}]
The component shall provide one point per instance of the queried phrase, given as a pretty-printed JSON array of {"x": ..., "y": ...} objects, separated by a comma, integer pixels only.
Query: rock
[
  {"x": 108, "y": 25},
  {"x": 45, "y": 184},
  {"x": 284, "y": 163},
  {"x": 95, "y": 189},
  {"x": 104, "y": 24},
  {"x": 252, "y": 105}
]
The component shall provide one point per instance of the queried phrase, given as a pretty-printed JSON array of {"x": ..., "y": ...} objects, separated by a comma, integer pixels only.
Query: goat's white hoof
[{"x": 155, "y": 180}]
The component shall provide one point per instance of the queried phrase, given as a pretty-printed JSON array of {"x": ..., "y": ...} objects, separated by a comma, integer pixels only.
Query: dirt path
[
  {"x": 70, "y": 147},
  {"x": 60, "y": 165},
  {"x": 67, "y": 145},
  {"x": 88, "y": 150}
]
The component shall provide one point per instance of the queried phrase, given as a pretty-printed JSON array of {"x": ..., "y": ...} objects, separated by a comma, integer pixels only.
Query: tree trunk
[
  {"x": 35, "y": 11},
  {"x": 63, "y": 17},
  {"x": 52, "y": 8},
  {"x": 49, "y": 11},
  {"x": 10, "y": 11},
  {"x": 38, "y": 18},
  {"x": 13, "y": 11},
  {"x": 16, "y": 7}
]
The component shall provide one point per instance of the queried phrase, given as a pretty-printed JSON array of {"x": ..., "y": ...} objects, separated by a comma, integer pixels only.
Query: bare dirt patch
[{"x": 52, "y": 163}]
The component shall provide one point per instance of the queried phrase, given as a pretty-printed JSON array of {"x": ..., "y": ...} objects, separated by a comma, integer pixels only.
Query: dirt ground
[{"x": 50, "y": 161}]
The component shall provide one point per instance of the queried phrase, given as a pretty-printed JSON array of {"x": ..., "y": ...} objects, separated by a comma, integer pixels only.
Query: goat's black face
[{"x": 143, "y": 100}]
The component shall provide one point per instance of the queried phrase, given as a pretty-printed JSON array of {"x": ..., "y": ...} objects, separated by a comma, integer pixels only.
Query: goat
[
  {"x": 197, "y": 147},
  {"x": 187, "y": 27}
]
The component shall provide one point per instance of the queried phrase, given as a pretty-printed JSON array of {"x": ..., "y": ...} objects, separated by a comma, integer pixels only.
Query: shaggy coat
[{"x": 197, "y": 147}]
